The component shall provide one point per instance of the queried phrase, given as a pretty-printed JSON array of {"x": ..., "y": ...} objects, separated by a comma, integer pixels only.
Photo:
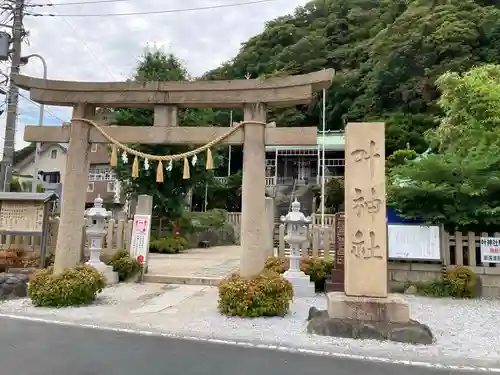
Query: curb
[{"x": 182, "y": 280}]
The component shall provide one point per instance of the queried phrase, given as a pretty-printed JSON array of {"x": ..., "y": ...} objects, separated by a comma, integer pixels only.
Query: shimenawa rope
[{"x": 159, "y": 171}]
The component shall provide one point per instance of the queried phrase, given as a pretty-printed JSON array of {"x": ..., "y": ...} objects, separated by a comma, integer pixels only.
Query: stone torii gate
[{"x": 165, "y": 98}]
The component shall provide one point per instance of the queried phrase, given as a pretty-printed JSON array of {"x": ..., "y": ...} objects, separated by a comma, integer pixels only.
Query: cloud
[{"x": 108, "y": 48}]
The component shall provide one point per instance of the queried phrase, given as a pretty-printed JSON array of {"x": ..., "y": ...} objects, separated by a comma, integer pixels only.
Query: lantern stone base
[
  {"x": 107, "y": 271},
  {"x": 302, "y": 285}
]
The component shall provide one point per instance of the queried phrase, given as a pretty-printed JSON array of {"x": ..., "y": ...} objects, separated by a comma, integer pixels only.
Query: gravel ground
[{"x": 467, "y": 332}]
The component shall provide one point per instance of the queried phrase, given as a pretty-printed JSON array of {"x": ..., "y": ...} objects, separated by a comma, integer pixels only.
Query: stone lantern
[
  {"x": 296, "y": 234},
  {"x": 95, "y": 231}
]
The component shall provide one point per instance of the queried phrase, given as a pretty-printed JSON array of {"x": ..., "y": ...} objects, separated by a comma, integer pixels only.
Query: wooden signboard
[
  {"x": 336, "y": 284},
  {"x": 21, "y": 216}
]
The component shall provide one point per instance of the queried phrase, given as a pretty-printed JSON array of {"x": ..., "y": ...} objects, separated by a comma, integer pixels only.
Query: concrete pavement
[
  {"x": 33, "y": 348},
  {"x": 194, "y": 266}
]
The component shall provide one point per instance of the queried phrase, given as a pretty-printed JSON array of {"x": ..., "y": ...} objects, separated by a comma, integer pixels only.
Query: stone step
[{"x": 182, "y": 280}]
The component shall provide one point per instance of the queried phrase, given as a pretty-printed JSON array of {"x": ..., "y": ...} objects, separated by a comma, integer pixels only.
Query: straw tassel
[
  {"x": 135, "y": 168},
  {"x": 114, "y": 157},
  {"x": 159, "y": 172},
  {"x": 186, "y": 176},
  {"x": 210, "y": 160}
]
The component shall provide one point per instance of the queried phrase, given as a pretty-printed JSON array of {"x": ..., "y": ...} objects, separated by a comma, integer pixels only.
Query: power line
[
  {"x": 87, "y": 46},
  {"x": 78, "y": 3},
  {"x": 153, "y": 11},
  {"x": 3, "y": 104},
  {"x": 38, "y": 105}
]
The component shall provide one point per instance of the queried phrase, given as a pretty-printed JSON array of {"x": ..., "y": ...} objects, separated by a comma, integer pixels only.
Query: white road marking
[{"x": 287, "y": 349}]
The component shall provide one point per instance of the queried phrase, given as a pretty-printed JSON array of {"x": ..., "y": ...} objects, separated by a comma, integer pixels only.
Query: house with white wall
[{"x": 52, "y": 166}]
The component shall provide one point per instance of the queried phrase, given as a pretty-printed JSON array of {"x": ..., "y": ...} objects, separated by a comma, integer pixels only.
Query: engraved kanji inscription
[
  {"x": 360, "y": 249},
  {"x": 358, "y": 245},
  {"x": 374, "y": 251},
  {"x": 363, "y": 155},
  {"x": 359, "y": 203},
  {"x": 373, "y": 205}
]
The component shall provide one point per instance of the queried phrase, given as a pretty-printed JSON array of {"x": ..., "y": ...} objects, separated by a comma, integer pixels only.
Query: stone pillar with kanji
[{"x": 366, "y": 285}]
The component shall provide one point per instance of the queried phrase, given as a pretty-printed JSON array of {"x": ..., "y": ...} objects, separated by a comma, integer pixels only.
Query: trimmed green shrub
[
  {"x": 268, "y": 294},
  {"x": 459, "y": 282},
  {"x": 119, "y": 254},
  {"x": 72, "y": 287},
  {"x": 124, "y": 265},
  {"x": 276, "y": 264},
  {"x": 316, "y": 268},
  {"x": 462, "y": 282},
  {"x": 433, "y": 288},
  {"x": 168, "y": 245}
]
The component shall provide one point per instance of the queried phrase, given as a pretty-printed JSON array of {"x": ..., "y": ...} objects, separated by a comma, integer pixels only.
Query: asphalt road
[{"x": 31, "y": 348}]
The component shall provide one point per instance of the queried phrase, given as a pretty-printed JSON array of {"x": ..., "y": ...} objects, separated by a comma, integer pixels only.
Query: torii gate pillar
[{"x": 253, "y": 240}]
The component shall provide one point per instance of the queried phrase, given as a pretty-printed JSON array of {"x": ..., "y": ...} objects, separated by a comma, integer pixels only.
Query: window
[
  {"x": 53, "y": 154},
  {"x": 93, "y": 147},
  {"x": 90, "y": 187},
  {"x": 270, "y": 162},
  {"x": 52, "y": 177},
  {"x": 111, "y": 187},
  {"x": 101, "y": 173}
]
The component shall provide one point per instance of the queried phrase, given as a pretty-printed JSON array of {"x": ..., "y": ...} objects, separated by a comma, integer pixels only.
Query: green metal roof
[{"x": 333, "y": 141}]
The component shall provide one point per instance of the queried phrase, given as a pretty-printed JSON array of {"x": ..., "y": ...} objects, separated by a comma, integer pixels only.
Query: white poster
[
  {"x": 490, "y": 249},
  {"x": 413, "y": 242},
  {"x": 140, "y": 237}
]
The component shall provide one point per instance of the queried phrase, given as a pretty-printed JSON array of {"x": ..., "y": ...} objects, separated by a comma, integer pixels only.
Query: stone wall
[{"x": 399, "y": 273}]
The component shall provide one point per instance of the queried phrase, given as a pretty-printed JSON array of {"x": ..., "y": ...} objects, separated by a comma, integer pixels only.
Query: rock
[
  {"x": 13, "y": 285},
  {"x": 22, "y": 277},
  {"x": 12, "y": 280},
  {"x": 412, "y": 289},
  {"x": 21, "y": 290},
  {"x": 313, "y": 312},
  {"x": 6, "y": 290},
  {"x": 412, "y": 332}
]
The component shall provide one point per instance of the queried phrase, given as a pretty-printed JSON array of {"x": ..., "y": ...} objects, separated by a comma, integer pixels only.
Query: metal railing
[{"x": 292, "y": 195}]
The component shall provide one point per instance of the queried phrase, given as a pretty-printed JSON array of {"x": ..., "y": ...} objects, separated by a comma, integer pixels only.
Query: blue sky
[{"x": 108, "y": 48}]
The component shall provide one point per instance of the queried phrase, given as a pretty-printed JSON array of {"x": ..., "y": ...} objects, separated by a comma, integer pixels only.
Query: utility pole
[
  {"x": 229, "y": 155},
  {"x": 13, "y": 97}
]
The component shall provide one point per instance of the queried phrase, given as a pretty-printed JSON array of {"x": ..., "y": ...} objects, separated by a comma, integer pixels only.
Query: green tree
[
  {"x": 334, "y": 195},
  {"x": 226, "y": 196},
  {"x": 387, "y": 55},
  {"x": 400, "y": 157},
  {"x": 460, "y": 185},
  {"x": 169, "y": 196}
]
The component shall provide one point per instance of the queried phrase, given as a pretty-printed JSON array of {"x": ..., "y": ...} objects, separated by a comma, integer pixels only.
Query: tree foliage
[
  {"x": 334, "y": 195},
  {"x": 387, "y": 54},
  {"x": 226, "y": 196},
  {"x": 169, "y": 196},
  {"x": 460, "y": 185},
  {"x": 400, "y": 157}
]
